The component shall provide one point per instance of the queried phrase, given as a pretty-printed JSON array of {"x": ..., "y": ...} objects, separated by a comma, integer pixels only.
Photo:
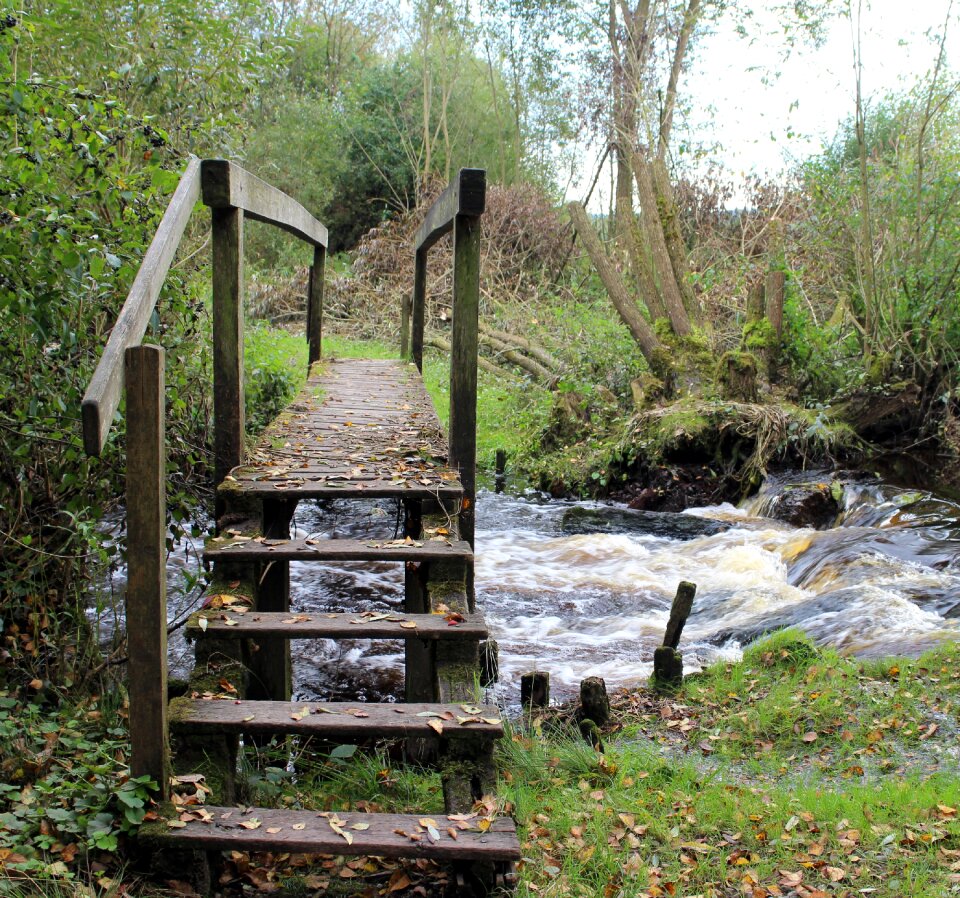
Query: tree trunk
[
  {"x": 653, "y": 226},
  {"x": 676, "y": 248},
  {"x": 627, "y": 309}
]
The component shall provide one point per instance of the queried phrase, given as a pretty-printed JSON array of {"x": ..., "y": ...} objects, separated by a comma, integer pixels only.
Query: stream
[{"x": 883, "y": 580}]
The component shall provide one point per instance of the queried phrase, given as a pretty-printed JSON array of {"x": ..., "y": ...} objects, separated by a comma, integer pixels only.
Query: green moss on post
[{"x": 667, "y": 669}]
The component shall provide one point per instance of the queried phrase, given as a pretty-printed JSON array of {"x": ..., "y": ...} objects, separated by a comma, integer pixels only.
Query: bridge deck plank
[{"x": 359, "y": 427}]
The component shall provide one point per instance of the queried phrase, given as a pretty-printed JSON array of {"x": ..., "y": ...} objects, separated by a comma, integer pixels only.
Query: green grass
[
  {"x": 791, "y": 770},
  {"x": 275, "y": 368}
]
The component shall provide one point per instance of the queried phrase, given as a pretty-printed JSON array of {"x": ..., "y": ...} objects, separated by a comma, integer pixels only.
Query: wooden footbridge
[{"x": 361, "y": 430}]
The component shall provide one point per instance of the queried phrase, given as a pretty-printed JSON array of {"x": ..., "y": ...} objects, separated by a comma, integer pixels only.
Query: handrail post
[
  {"x": 419, "y": 306},
  {"x": 405, "y": 304},
  {"x": 315, "y": 305},
  {"x": 228, "y": 399},
  {"x": 463, "y": 363},
  {"x": 146, "y": 598}
]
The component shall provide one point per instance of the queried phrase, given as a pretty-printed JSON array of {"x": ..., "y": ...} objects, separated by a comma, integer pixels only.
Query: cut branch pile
[{"x": 524, "y": 240}]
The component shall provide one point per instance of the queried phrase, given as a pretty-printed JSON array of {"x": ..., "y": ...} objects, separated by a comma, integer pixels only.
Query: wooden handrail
[
  {"x": 223, "y": 185},
  {"x": 458, "y": 208},
  {"x": 227, "y": 185},
  {"x": 464, "y": 196},
  {"x": 103, "y": 394}
]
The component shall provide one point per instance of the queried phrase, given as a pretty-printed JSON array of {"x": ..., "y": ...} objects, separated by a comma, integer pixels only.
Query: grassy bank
[{"x": 791, "y": 773}]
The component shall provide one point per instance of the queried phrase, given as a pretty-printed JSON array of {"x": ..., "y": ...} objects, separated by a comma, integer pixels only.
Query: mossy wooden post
[
  {"x": 419, "y": 674},
  {"x": 418, "y": 316},
  {"x": 405, "y": 304},
  {"x": 315, "y": 305},
  {"x": 667, "y": 661},
  {"x": 146, "y": 604},
  {"x": 462, "y": 454},
  {"x": 228, "y": 401},
  {"x": 271, "y": 677}
]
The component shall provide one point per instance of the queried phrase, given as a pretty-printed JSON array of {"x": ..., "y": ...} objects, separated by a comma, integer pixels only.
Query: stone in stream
[
  {"x": 815, "y": 505},
  {"x": 609, "y": 519}
]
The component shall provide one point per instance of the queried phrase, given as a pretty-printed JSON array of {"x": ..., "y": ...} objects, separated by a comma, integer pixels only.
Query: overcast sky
[
  {"x": 807, "y": 94},
  {"x": 751, "y": 121}
]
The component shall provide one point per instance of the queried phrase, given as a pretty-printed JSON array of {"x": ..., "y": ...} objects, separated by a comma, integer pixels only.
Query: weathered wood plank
[
  {"x": 336, "y": 721},
  {"x": 418, "y": 314},
  {"x": 406, "y": 302},
  {"x": 228, "y": 396},
  {"x": 358, "y": 428},
  {"x": 466, "y": 195},
  {"x": 462, "y": 453},
  {"x": 102, "y": 398},
  {"x": 226, "y": 185},
  {"x": 230, "y": 624},
  {"x": 269, "y": 550},
  {"x": 379, "y": 835},
  {"x": 146, "y": 599}
]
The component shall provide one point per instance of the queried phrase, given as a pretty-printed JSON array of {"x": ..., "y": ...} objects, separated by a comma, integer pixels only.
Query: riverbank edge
[{"x": 766, "y": 776}]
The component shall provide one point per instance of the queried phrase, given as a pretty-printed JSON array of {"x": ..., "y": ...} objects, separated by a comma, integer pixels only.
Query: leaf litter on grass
[{"x": 791, "y": 773}]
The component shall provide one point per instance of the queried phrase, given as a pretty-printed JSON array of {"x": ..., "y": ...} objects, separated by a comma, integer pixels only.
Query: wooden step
[
  {"x": 232, "y": 624},
  {"x": 308, "y": 832},
  {"x": 321, "y": 484},
  {"x": 260, "y": 549},
  {"x": 336, "y": 721}
]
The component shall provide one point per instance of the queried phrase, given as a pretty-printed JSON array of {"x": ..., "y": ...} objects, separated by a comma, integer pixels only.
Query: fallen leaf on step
[
  {"x": 250, "y": 824},
  {"x": 436, "y": 725}
]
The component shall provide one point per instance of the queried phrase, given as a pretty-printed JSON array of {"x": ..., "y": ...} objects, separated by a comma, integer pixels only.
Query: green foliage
[
  {"x": 196, "y": 67},
  {"x": 82, "y": 185},
  {"x": 65, "y": 783},
  {"x": 900, "y": 290},
  {"x": 275, "y": 368}
]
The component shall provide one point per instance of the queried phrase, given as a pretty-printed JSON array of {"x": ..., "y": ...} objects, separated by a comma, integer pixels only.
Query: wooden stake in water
[
  {"x": 500, "y": 476},
  {"x": 535, "y": 689},
  {"x": 667, "y": 661}
]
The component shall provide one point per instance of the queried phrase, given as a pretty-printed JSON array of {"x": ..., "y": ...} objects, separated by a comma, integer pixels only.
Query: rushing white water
[{"x": 885, "y": 579}]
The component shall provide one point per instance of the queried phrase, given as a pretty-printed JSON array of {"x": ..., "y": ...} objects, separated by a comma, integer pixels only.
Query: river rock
[
  {"x": 815, "y": 505},
  {"x": 608, "y": 519}
]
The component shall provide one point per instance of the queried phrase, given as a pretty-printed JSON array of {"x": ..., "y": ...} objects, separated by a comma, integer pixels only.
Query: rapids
[{"x": 883, "y": 580}]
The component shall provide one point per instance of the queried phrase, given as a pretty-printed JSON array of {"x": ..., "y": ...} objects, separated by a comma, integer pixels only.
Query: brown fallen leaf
[{"x": 436, "y": 725}]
